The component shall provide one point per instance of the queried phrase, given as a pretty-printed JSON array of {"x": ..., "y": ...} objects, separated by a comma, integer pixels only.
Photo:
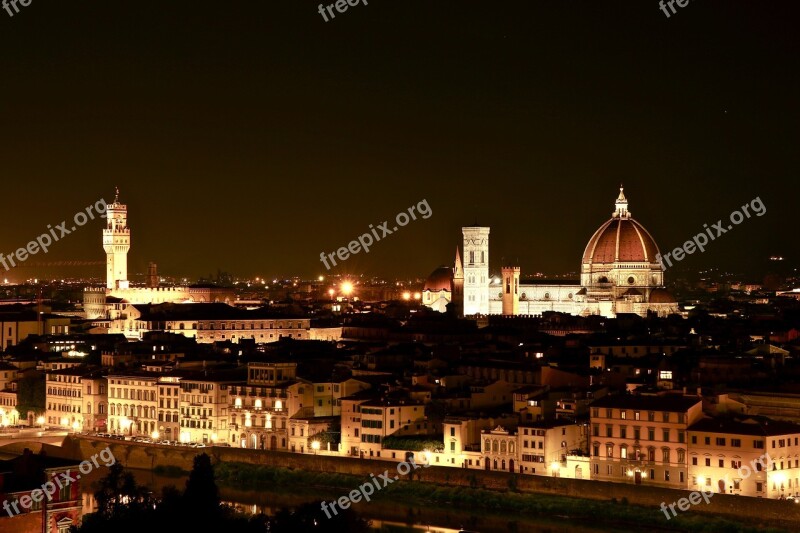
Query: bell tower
[
  {"x": 116, "y": 243},
  {"x": 510, "y": 291},
  {"x": 476, "y": 270}
]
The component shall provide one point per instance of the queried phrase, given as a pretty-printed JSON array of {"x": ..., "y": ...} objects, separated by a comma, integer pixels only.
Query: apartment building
[
  {"x": 168, "y": 390},
  {"x": 9, "y": 374},
  {"x": 642, "y": 439},
  {"x": 390, "y": 417},
  {"x": 328, "y": 395},
  {"x": 132, "y": 398},
  {"x": 544, "y": 447},
  {"x": 748, "y": 456},
  {"x": 261, "y": 407},
  {"x": 205, "y": 401},
  {"x": 76, "y": 398}
]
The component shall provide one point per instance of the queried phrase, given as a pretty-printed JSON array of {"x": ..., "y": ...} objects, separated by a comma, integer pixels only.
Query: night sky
[{"x": 251, "y": 136}]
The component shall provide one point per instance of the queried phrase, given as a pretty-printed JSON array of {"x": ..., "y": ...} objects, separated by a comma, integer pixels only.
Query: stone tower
[
  {"x": 510, "y": 291},
  {"x": 476, "y": 270},
  {"x": 458, "y": 285},
  {"x": 116, "y": 243}
]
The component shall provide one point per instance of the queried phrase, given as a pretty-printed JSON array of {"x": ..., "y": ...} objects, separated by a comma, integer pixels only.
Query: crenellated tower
[{"x": 117, "y": 243}]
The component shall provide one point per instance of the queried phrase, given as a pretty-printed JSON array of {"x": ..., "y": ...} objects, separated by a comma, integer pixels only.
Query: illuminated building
[
  {"x": 76, "y": 398},
  {"x": 620, "y": 273},
  {"x": 642, "y": 439},
  {"x": 101, "y": 303}
]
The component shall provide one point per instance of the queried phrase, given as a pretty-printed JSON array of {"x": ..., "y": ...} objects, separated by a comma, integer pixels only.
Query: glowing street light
[
  {"x": 155, "y": 435},
  {"x": 315, "y": 446},
  {"x": 555, "y": 467},
  {"x": 406, "y": 296},
  {"x": 40, "y": 421},
  {"x": 347, "y": 288}
]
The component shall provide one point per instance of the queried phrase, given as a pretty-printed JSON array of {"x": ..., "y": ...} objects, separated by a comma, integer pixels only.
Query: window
[
  {"x": 665, "y": 417},
  {"x": 708, "y": 461},
  {"x": 636, "y": 415},
  {"x": 694, "y": 439},
  {"x": 759, "y": 444},
  {"x": 623, "y": 414},
  {"x": 651, "y": 416},
  {"x": 722, "y": 463},
  {"x": 623, "y": 432},
  {"x": 452, "y": 432},
  {"x": 665, "y": 455},
  {"x": 681, "y": 456},
  {"x": 707, "y": 441},
  {"x": 610, "y": 450},
  {"x": 623, "y": 452},
  {"x": 666, "y": 475},
  {"x": 595, "y": 450},
  {"x": 651, "y": 434},
  {"x": 720, "y": 441},
  {"x": 736, "y": 443},
  {"x": 609, "y": 431},
  {"x": 636, "y": 433},
  {"x": 666, "y": 435},
  {"x": 681, "y": 437},
  {"x": 759, "y": 486},
  {"x": 596, "y": 430}
]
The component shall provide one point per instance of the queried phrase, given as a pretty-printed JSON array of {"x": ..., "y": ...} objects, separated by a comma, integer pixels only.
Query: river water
[{"x": 385, "y": 515}]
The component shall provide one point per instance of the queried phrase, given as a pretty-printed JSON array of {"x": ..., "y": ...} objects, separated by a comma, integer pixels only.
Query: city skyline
[{"x": 311, "y": 131}]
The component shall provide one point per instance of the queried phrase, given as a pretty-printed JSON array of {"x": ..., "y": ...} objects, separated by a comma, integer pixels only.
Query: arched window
[
  {"x": 503, "y": 447},
  {"x": 494, "y": 446},
  {"x": 487, "y": 445}
]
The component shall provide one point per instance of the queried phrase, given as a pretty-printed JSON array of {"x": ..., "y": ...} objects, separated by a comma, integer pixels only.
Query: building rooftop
[
  {"x": 752, "y": 425},
  {"x": 670, "y": 402}
]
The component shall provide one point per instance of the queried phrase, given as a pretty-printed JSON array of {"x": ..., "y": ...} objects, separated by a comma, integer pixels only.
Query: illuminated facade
[
  {"x": 748, "y": 456},
  {"x": 642, "y": 440},
  {"x": 260, "y": 409},
  {"x": 76, "y": 398}
]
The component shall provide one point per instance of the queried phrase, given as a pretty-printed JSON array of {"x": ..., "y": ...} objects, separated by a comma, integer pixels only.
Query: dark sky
[{"x": 251, "y": 136}]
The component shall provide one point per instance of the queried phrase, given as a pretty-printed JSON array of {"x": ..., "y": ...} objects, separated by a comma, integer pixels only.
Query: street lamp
[
  {"x": 40, "y": 421},
  {"x": 154, "y": 435},
  {"x": 126, "y": 424},
  {"x": 555, "y": 467},
  {"x": 347, "y": 288},
  {"x": 315, "y": 446}
]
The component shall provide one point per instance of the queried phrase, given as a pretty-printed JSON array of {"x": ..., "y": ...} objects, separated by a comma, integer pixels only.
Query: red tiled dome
[
  {"x": 661, "y": 296},
  {"x": 440, "y": 279},
  {"x": 621, "y": 240}
]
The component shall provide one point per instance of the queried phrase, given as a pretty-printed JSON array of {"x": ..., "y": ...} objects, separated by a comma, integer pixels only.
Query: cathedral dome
[
  {"x": 620, "y": 240},
  {"x": 661, "y": 296},
  {"x": 440, "y": 279}
]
